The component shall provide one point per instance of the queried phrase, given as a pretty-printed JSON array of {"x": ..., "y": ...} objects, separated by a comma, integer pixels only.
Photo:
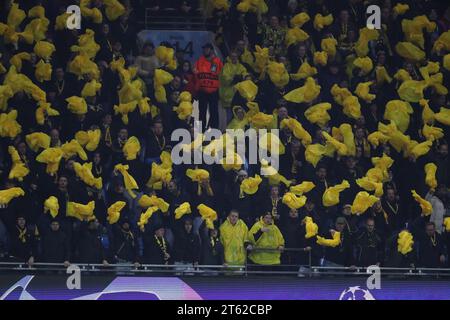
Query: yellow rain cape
[
  {"x": 51, "y": 204},
  {"x": 233, "y": 238},
  {"x": 331, "y": 195},
  {"x": 271, "y": 239},
  {"x": 114, "y": 211}
]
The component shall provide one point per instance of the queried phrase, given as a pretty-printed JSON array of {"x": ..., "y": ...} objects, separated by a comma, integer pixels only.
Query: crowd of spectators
[{"x": 87, "y": 116}]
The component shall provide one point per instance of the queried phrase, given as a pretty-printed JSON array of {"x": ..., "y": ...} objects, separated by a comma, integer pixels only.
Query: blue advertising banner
[
  {"x": 190, "y": 42},
  {"x": 98, "y": 287}
]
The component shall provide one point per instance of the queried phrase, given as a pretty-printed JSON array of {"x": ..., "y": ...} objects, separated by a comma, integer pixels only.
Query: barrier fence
[{"x": 247, "y": 269}]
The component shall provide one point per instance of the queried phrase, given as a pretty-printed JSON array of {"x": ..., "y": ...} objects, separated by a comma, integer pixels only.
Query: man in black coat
[
  {"x": 431, "y": 248},
  {"x": 341, "y": 255},
  {"x": 370, "y": 248},
  {"x": 125, "y": 247},
  {"x": 187, "y": 243},
  {"x": 55, "y": 245},
  {"x": 156, "y": 247},
  {"x": 23, "y": 241},
  {"x": 90, "y": 248}
]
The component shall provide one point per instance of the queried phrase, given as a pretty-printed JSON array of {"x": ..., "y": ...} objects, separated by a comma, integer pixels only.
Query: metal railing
[{"x": 307, "y": 270}]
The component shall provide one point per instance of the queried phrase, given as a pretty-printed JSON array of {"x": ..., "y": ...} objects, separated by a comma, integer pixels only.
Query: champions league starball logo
[{"x": 358, "y": 293}]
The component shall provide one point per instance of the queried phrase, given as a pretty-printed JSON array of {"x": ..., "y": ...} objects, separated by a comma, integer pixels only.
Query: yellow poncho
[
  {"x": 365, "y": 64},
  {"x": 363, "y": 91},
  {"x": 131, "y": 148},
  {"x": 37, "y": 140},
  {"x": 197, "y": 175},
  {"x": 261, "y": 58},
  {"x": 311, "y": 228},
  {"x": 18, "y": 169},
  {"x": 51, "y": 157},
  {"x": 166, "y": 57},
  {"x": 77, "y": 105},
  {"x": 89, "y": 139},
  {"x": 398, "y": 111},
  {"x": 160, "y": 79},
  {"x": 443, "y": 116},
  {"x": 114, "y": 211},
  {"x": 247, "y": 89},
  {"x": 261, "y": 120},
  {"x": 382, "y": 75},
  {"x": 84, "y": 172},
  {"x": 340, "y": 147},
  {"x": 412, "y": 90},
  {"x": 91, "y": 88},
  {"x": 331, "y": 195},
  {"x": 9, "y": 127},
  {"x": 329, "y": 46},
  {"x": 405, "y": 242},
  {"x": 81, "y": 211},
  {"x": 51, "y": 204},
  {"x": 425, "y": 205},
  {"x": 430, "y": 175},
  {"x": 362, "y": 45},
  {"x": 447, "y": 224},
  {"x": 124, "y": 109},
  {"x": 130, "y": 183},
  {"x": 73, "y": 148},
  {"x": 334, "y": 242},
  {"x": 345, "y": 134},
  {"x": 306, "y": 93},
  {"x": 184, "y": 110},
  {"x": 304, "y": 71},
  {"x": 317, "y": 114},
  {"x": 293, "y": 201},
  {"x": 5, "y": 94},
  {"x": 208, "y": 214},
  {"x": 16, "y": 60},
  {"x": 114, "y": 9},
  {"x": 400, "y": 8},
  {"x": 7, "y": 195},
  {"x": 299, "y": 19},
  {"x": 44, "y": 49},
  {"x": 376, "y": 137},
  {"x": 184, "y": 208},
  {"x": 231, "y": 161},
  {"x": 362, "y": 202},
  {"x": 320, "y": 58},
  {"x": 145, "y": 216},
  {"x": 432, "y": 133},
  {"x": 322, "y": 21},
  {"x": 409, "y": 51},
  {"x": 250, "y": 185},
  {"x": 159, "y": 175},
  {"x": 86, "y": 44},
  {"x": 428, "y": 115},
  {"x": 271, "y": 239},
  {"x": 278, "y": 74},
  {"x": 272, "y": 174},
  {"x": 302, "y": 188},
  {"x": 297, "y": 129},
  {"x": 294, "y": 36},
  {"x": 227, "y": 89},
  {"x": 145, "y": 201},
  {"x": 44, "y": 109},
  {"x": 233, "y": 238},
  {"x": 413, "y": 29},
  {"x": 314, "y": 153}
]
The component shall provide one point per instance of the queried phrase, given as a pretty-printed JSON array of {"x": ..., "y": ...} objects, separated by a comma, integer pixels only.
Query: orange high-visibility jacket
[{"x": 208, "y": 74}]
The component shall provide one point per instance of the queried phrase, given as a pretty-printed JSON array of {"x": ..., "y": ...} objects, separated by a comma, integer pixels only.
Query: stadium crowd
[{"x": 87, "y": 115}]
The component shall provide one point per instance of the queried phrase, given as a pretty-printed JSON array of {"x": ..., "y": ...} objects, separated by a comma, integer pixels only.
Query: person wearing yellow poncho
[
  {"x": 331, "y": 195},
  {"x": 267, "y": 242},
  {"x": 233, "y": 72},
  {"x": 234, "y": 238}
]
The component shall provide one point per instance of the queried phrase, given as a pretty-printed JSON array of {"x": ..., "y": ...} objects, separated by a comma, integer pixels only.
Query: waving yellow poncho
[
  {"x": 400, "y": 8},
  {"x": 145, "y": 216},
  {"x": 91, "y": 88},
  {"x": 413, "y": 29},
  {"x": 271, "y": 239},
  {"x": 86, "y": 44},
  {"x": 322, "y": 21},
  {"x": 114, "y": 211},
  {"x": 130, "y": 183},
  {"x": 261, "y": 120},
  {"x": 345, "y": 134},
  {"x": 409, "y": 51},
  {"x": 5, "y": 94},
  {"x": 340, "y": 147},
  {"x": 184, "y": 110},
  {"x": 16, "y": 60},
  {"x": 278, "y": 74},
  {"x": 369, "y": 184},
  {"x": 363, "y": 91},
  {"x": 81, "y": 211},
  {"x": 44, "y": 49},
  {"x": 207, "y": 214},
  {"x": 184, "y": 208},
  {"x": 231, "y": 161},
  {"x": 256, "y": 6},
  {"x": 9, "y": 127},
  {"x": 84, "y": 172},
  {"x": 43, "y": 71},
  {"x": 160, "y": 79},
  {"x": 432, "y": 133},
  {"x": 306, "y": 93},
  {"x": 166, "y": 56},
  {"x": 73, "y": 148},
  {"x": 81, "y": 65},
  {"x": 51, "y": 204},
  {"x": 447, "y": 224},
  {"x": 320, "y": 58},
  {"x": 362, "y": 202},
  {"x": 443, "y": 116},
  {"x": 294, "y": 36},
  {"x": 145, "y": 201},
  {"x": 382, "y": 75},
  {"x": 297, "y": 129},
  {"x": 311, "y": 228},
  {"x": 7, "y": 195},
  {"x": 261, "y": 58},
  {"x": 114, "y": 9},
  {"x": 376, "y": 137},
  {"x": 197, "y": 175},
  {"x": 250, "y": 185},
  {"x": 396, "y": 138},
  {"x": 314, "y": 153},
  {"x": 318, "y": 114},
  {"x": 51, "y": 157},
  {"x": 89, "y": 139},
  {"x": 331, "y": 195},
  {"x": 77, "y": 105},
  {"x": 37, "y": 140},
  {"x": 131, "y": 148},
  {"x": 398, "y": 111},
  {"x": 330, "y": 242},
  {"x": 302, "y": 188},
  {"x": 44, "y": 109},
  {"x": 272, "y": 174},
  {"x": 430, "y": 175},
  {"x": 159, "y": 176},
  {"x": 405, "y": 242},
  {"x": 365, "y": 64},
  {"x": 425, "y": 205},
  {"x": 428, "y": 115},
  {"x": 329, "y": 46},
  {"x": 18, "y": 169},
  {"x": 124, "y": 109},
  {"x": 362, "y": 45},
  {"x": 412, "y": 90},
  {"x": 293, "y": 201},
  {"x": 304, "y": 71},
  {"x": 247, "y": 89},
  {"x": 299, "y": 19}
]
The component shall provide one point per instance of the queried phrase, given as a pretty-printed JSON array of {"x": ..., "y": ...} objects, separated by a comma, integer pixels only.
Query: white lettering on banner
[
  {"x": 74, "y": 280},
  {"x": 74, "y": 20},
  {"x": 374, "y": 20},
  {"x": 374, "y": 280}
]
